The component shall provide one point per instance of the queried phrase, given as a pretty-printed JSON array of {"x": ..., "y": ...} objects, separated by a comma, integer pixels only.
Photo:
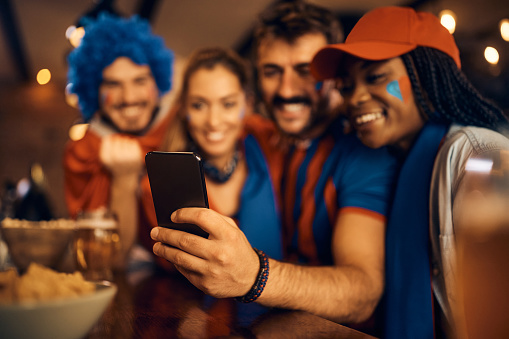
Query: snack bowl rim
[{"x": 61, "y": 318}]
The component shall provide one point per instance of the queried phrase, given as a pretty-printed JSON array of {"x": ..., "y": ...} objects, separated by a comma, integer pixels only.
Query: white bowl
[{"x": 56, "y": 319}]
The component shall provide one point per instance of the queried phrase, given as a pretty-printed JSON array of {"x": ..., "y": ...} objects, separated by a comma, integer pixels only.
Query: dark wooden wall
[{"x": 34, "y": 123}]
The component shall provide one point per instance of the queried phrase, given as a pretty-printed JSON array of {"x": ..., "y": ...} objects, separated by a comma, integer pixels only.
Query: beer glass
[
  {"x": 482, "y": 235},
  {"x": 96, "y": 244}
]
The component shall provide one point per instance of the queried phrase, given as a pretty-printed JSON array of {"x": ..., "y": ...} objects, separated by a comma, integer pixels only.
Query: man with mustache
[
  {"x": 335, "y": 192},
  {"x": 285, "y": 41},
  {"x": 119, "y": 72}
]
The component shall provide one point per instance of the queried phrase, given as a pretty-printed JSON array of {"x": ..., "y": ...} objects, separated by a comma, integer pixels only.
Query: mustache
[{"x": 279, "y": 100}]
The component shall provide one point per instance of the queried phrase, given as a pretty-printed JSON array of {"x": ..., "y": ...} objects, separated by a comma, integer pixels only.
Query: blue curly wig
[{"x": 106, "y": 39}]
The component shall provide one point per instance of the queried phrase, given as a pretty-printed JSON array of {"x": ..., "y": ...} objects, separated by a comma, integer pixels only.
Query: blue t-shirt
[{"x": 335, "y": 171}]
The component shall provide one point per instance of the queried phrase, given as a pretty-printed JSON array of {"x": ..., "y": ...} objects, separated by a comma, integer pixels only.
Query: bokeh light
[
  {"x": 74, "y": 35},
  {"x": 70, "y": 98},
  {"x": 23, "y": 187},
  {"x": 448, "y": 20},
  {"x": 77, "y": 131},
  {"x": 43, "y": 76},
  {"x": 69, "y": 31},
  {"x": 504, "y": 29},
  {"x": 37, "y": 174},
  {"x": 491, "y": 55}
]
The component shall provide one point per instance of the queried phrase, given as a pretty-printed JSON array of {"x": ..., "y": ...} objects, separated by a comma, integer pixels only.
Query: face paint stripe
[
  {"x": 394, "y": 90},
  {"x": 405, "y": 87}
]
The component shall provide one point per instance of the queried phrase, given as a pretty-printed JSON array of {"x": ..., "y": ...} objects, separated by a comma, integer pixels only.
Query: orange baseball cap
[{"x": 384, "y": 33}]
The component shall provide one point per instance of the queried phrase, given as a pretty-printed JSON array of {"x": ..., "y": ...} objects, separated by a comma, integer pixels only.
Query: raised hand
[{"x": 121, "y": 155}]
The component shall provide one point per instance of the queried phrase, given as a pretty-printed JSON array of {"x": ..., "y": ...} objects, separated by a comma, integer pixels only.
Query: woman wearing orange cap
[{"x": 399, "y": 73}]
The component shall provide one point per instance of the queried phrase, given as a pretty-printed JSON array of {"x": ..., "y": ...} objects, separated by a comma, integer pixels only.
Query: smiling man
[
  {"x": 287, "y": 88},
  {"x": 119, "y": 72},
  {"x": 317, "y": 188},
  {"x": 129, "y": 95},
  {"x": 286, "y": 39},
  {"x": 335, "y": 191}
]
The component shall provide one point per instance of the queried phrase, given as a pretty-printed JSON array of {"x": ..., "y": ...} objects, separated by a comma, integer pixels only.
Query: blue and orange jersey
[
  {"x": 332, "y": 174},
  {"x": 269, "y": 140}
]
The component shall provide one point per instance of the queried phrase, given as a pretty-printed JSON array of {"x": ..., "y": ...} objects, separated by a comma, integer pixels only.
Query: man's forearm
[
  {"x": 341, "y": 294},
  {"x": 225, "y": 265}
]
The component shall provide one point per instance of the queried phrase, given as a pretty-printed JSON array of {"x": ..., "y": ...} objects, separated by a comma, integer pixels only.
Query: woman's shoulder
[
  {"x": 479, "y": 139},
  {"x": 463, "y": 143}
]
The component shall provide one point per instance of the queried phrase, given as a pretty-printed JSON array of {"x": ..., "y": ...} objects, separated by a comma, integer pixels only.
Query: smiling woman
[
  {"x": 381, "y": 102},
  {"x": 399, "y": 73},
  {"x": 216, "y": 106},
  {"x": 215, "y": 120}
]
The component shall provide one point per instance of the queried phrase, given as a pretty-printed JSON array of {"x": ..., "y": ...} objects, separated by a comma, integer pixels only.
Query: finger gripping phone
[{"x": 176, "y": 181}]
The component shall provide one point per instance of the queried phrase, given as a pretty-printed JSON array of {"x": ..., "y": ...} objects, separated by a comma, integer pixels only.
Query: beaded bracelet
[{"x": 260, "y": 281}]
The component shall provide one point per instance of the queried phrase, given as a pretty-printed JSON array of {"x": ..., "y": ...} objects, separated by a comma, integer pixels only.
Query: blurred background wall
[{"x": 35, "y": 119}]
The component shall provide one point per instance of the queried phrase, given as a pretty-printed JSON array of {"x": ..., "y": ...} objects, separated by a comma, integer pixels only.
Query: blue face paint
[
  {"x": 393, "y": 89},
  {"x": 318, "y": 85}
]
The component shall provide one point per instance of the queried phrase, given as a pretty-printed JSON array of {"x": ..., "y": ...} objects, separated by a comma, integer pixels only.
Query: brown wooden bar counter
[{"x": 157, "y": 304}]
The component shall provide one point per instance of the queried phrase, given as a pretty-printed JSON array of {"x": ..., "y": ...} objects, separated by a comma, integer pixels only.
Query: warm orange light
[
  {"x": 491, "y": 55},
  {"x": 74, "y": 35},
  {"x": 504, "y": 29},
  {"x": 43, "y": 76},
  {"x": 70, "y": 98},
  {"x": 448, "y": 20},
  {"x": 77, "y": 132}
]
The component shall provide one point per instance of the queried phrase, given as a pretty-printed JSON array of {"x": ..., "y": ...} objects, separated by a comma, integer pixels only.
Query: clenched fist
[{"x": 121, "y": 155}]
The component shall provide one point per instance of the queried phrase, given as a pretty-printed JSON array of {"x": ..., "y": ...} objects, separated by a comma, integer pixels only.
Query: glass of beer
[
  {"x": 96, "y": 244},
  {"x": 482, "y": 238}
]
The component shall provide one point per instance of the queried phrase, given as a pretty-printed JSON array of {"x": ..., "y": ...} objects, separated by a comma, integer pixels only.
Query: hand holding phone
[{"x": 176, "y": 181}]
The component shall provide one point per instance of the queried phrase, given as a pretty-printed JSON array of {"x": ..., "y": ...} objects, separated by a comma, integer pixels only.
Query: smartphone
[{"x": 177, "y": 181}]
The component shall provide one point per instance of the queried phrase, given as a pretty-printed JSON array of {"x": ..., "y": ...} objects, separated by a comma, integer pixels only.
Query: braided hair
[{"x": 444, "y": 94}]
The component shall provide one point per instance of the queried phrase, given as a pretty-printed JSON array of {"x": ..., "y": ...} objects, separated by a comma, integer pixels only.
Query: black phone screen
[{"x": 176, "y": 181}]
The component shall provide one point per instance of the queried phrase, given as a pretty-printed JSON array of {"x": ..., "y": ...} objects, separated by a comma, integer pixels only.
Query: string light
[
  {"x": 43, "y": 76},
  {"x": 448, "y": 20},
  {"x": 504, "y": 29},
  {"x": 74, "y": 35},
  {"x": 491, "y": 55}
]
